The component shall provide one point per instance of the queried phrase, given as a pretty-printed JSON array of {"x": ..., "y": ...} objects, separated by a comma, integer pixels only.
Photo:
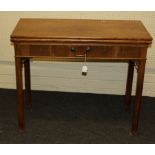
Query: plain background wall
[{"x": 57, "y": 76}]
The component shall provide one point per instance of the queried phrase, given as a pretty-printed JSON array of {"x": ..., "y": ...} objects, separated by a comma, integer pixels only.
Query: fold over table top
[{"x": 75, "y": 30}]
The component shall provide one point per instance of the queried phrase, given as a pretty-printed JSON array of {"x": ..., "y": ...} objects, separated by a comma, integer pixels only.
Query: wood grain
[
  {"x": 82, "y": 40},
  {"x": 73, "y": 30}
]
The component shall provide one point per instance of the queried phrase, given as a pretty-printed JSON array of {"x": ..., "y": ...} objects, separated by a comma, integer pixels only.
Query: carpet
[{"x": 75, "y": 118}]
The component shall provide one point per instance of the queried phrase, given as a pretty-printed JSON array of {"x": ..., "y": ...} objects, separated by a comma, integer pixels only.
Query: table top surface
[{"x": 76, "y": 29}]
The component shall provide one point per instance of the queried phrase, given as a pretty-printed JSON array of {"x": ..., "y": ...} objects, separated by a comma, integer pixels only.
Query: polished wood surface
[
  {"x": 138, "y": 99},
  {"x": 98, "y": 52},
  {"x": 129, "y": 84},
  {"x": 27, "y": 82},
  {"x": 75, "y": 39},
  {"x": 74, "y": 30},
  {"x": 19, "y": 82}
]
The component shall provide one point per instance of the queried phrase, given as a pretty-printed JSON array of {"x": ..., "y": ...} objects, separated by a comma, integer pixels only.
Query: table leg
[
  {"x": 129, "y": 82},
  {"x": 138, "y": 99},
  {"x": 19, "y": 83},
  {"x": 27, "y": 82}
]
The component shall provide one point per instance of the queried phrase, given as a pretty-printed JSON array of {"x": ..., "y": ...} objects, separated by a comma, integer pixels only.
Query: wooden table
[{"x": 72, "y": 40}]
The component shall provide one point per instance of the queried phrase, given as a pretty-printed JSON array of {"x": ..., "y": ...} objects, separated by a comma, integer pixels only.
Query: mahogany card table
[{"x": 77, "y": 40}]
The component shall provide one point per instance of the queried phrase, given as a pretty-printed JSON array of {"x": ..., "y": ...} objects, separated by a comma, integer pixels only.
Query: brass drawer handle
[
  {"x": 73, "y": 49},
  {"x": 88, "y": 49}
]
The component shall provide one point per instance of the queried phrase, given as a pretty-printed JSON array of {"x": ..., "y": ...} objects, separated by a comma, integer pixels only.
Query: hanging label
[{"x": 84, "y": 70}]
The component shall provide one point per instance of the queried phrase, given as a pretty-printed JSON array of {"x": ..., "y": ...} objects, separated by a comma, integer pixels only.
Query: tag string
[{"x": 85, "y": 59}]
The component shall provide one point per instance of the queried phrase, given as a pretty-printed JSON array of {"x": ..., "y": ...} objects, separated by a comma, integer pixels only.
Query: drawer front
[
  {"x": 80, "y": 51},
  {"x": 68, "y": 51}
]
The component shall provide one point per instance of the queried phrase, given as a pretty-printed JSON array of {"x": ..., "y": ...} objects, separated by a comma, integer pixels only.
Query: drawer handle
[
  {"x": 88, "y": 49},
  {"x": 73, "y": 49}
]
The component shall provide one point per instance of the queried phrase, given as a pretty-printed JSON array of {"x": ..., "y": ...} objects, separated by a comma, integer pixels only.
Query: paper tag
[{"x": 84, "y": 70}]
